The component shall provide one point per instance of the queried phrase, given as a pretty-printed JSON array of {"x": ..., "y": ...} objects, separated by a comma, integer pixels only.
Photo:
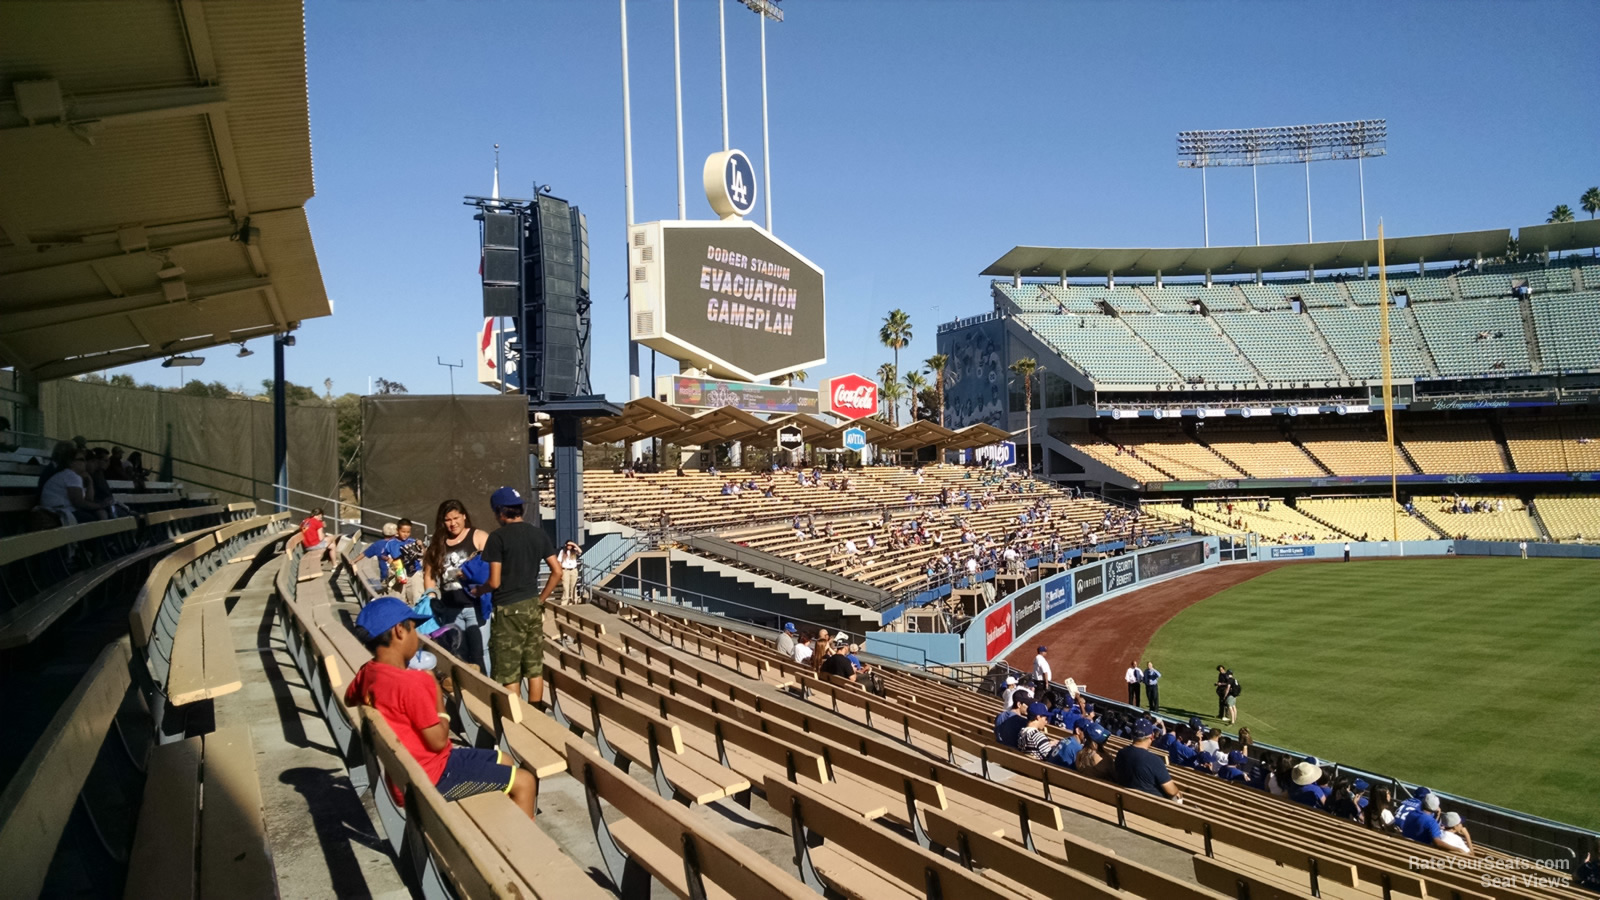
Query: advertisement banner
[
  {"x": 1120, "y": 573},
  {"x": 1026, "y": 611},
  {"x": 1057, "y": 593},
  {"x": 1087, "y": 583},
  {"x": 709, "y": 393},
  {"x": 1292, "y": 552},
  {"x": 1168, "y": 560},
  {"x": 997, "y": 630},
  {"x": 850, "y": 396}
]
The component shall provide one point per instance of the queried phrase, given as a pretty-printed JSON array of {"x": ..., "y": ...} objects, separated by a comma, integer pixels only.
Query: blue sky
[{"x": 913, "y": 143}]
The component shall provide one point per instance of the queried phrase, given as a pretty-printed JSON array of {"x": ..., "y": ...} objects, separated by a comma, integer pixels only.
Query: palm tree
[
  {"x": 896, "y": 333},
  {"x": 1025, "y": 367},
  {"x": 936, "y": 364},
  {"x": 1590, "y": 201},
  {"x": 1562, "y": 213},
  {"x": 915, "y": 384},
  {"x": 799, "y": 376}
]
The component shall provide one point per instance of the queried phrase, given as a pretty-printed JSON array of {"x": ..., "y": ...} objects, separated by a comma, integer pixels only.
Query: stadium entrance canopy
[
  {"x": 647, "y": 418},
  {"x": 155, "y": 160},
  {"x": 1053, "y": 262}
]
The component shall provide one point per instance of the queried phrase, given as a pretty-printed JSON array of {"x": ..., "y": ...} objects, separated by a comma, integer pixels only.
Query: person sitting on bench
[{"x": 411, "y": 703}]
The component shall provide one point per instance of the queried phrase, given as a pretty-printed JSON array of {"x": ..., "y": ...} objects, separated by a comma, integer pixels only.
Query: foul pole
[{"x": 1388, "y": 387}]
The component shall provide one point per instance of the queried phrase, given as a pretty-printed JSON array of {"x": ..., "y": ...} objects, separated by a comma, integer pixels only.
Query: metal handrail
[{"x": 340, "y": 503}]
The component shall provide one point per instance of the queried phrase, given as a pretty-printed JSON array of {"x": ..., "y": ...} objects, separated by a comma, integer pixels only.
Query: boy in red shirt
[{"x": 410, "y": 702}]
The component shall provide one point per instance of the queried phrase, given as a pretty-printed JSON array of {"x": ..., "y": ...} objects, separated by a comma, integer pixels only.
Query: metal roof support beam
[
  {"x": 125, "y": 106},
  {"x": 52, "y": 315}
]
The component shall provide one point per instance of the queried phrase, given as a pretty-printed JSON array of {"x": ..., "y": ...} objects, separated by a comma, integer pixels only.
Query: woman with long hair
[{"x": 453, "y": 543}]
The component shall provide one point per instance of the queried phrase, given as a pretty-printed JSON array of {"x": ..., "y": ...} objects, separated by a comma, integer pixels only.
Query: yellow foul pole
[{"x": 1388, "y": 387}]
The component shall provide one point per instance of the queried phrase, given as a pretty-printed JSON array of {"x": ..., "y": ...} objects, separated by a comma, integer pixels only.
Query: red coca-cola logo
[{"x": 852, "y": 396}]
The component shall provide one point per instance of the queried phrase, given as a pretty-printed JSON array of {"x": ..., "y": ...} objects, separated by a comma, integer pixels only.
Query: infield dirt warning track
[{"x": 1095, "y": 646}]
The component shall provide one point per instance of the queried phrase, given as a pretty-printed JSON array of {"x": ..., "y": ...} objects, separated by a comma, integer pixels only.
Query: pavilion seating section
[
  {"x": 898, "y": 570},
  {"x": 1368, "y": 517},
  {"x": 1513, "y": 524},
  {"x": 1243, "y": 842},
  {"x": 1570, "y": 519},
  {"x": 1446, "y": 449},
  {"x": 1279, "y": 523},
  {"x": 1568, "y": 445},
  {"x": 1099, "y": 329}
]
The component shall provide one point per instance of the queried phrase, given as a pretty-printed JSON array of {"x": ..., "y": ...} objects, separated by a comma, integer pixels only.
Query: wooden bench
[
  {"x": 199, "y": 828},
  {"x": 183, "y": 646},
  {"x": 201, "y": 832},
  {"x": 658, "y": 839},
  {"x": 45, "y": 574}
]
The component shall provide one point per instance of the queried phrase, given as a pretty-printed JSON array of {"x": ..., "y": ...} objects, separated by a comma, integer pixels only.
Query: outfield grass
[{"x": 1478, "y": 677}]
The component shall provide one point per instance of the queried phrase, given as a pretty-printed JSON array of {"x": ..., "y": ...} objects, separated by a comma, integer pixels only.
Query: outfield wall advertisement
[{"x": 1013, "y": 618}]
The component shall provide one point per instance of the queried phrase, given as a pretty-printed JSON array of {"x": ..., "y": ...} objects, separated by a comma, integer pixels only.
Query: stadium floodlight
[
  {"x": 1285, "y": 144},
  {"x": 183, "y": 362}
]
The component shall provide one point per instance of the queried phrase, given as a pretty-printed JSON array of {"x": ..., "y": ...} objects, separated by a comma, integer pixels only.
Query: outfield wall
[{"x": 1016, "y": 618}]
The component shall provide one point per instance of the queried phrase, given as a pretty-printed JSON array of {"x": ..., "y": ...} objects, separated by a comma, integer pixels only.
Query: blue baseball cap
[
  {"x": 1237, "y": 758},
  {"x": 1037, "y": 709},
  {"x": 506, "y": 496},
  {"x": 382, "y": 614},
  {"x": 1096, "y": 732},
  {"x": 1143, "y": 728},
  {"x": 789, "y": 627},
  {"x": 1359, "y": 785},
  {"x": 1042, "y": 648}
]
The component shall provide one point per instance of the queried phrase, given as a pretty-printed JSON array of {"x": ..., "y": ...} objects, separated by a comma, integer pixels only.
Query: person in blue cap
[
  {"x": 1234, "y": 768},
  {"x": 1033, "y": 739},
  {"x": 410, "y": 701},
  {"x": 1140, "y": 769},
  {"x": 786, "y": 640},
  {"x": 514, "y": 552}
]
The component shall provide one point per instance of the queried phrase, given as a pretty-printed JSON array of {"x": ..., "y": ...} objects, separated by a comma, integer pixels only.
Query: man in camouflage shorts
[{"x": 514, "y": 553}]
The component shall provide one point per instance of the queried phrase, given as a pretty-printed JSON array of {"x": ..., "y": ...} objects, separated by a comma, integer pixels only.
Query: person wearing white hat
[
  {"x": 1306, "y": 791},
  {"x": 1009, "y": 685}
]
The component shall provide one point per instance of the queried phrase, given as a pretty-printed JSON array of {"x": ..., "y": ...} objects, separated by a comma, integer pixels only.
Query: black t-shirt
[
  {"x": 519, "y": 548},
  {"x": 1141, "y": 770},
  {"x": 838, "y": 664}
]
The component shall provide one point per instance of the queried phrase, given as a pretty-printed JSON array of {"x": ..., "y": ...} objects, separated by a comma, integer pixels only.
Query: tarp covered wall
[
  {"x": 208, "y": 444},
  {"x": 417, "y": 451}
]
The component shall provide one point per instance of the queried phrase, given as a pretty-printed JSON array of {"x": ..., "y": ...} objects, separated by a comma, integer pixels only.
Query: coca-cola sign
[{"x": 851, "y": 396}]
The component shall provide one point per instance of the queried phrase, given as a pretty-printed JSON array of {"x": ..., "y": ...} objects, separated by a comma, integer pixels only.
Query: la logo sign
[{"x": 851, "y": 396}]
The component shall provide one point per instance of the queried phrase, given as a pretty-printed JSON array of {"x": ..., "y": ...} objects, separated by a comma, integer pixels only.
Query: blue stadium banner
[
  {"x": 1292, "y": 552},
  {"x": 1057, "y": 593}
]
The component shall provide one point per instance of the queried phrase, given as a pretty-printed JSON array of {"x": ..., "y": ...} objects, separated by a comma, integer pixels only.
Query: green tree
[
  {"x": 936, "y": 364},
  {"x": 293, "y": 393},
  {"x": 889, "y": 392},
  {"x": 198, "y": 388},
  {"x": 347, "y": 416},
  {"x": 915, "y": 384},
  {"x": 1025, "y": 367},
  {"x": 896, "y": 333},
  {"x": 1562, "y": 213},
  {"x": 124, "y": 380},
  {"x": 385, "y": 386}
]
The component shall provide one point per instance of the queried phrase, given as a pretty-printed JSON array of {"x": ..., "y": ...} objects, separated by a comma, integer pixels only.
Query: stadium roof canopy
[
  {"x": 647, "y": 417},
  {"x": 1052, "y": 262},
  {"x": 155, "y": 160},
  {"x": 1580, "y": 235}
]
